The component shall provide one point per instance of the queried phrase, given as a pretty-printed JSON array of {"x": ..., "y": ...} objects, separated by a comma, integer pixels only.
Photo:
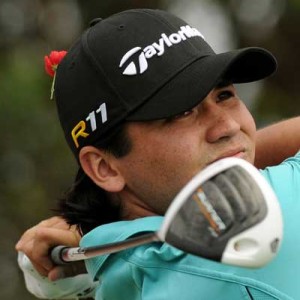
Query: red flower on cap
[{"x": 51, "y": 63}]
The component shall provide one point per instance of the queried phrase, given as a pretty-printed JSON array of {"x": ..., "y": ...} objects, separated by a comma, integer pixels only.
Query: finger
[
  {"x": 37, "y": 241},
  {"x": 54, "y": 222},
  {"x": 57, "y": 236},
  {"x": 38, "y": 249},
  {"x": 37, "y": 252},
  {"x": 47, "y": 238},
  {"x": 40, "y": 269}
]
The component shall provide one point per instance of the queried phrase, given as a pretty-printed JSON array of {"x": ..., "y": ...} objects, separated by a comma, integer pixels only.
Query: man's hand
[{"x": 37, "y": 241}]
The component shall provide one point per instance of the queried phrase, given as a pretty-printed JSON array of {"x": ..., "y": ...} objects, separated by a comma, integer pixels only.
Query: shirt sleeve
[
  {"x": 285, "y": 179},
  {"x": 130, "y": 281},
  {"x": 77, "y": 287}
]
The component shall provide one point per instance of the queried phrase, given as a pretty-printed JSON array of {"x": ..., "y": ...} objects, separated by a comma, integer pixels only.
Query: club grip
[{"x": 57, "y": 254}]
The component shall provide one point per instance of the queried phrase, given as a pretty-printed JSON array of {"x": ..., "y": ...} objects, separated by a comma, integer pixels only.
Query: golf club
[{"x": 227, "y": 213}]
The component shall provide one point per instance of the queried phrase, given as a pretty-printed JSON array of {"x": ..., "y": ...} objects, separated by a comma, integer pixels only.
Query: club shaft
[{"x": 62, "y": 254}]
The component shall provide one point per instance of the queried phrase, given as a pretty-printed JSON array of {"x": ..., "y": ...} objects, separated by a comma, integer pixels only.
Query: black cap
[{"x": 141, "y": 65}]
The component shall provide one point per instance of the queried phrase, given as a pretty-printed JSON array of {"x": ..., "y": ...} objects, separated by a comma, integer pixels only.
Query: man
[{"x": 145, "y": 104}]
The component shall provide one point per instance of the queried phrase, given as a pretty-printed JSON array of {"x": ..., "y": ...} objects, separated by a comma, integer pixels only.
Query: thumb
[{"x": 68, "y": 270}]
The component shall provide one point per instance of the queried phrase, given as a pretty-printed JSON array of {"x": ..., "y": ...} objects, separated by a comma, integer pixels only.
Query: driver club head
[{"x": 228, "y": 213}]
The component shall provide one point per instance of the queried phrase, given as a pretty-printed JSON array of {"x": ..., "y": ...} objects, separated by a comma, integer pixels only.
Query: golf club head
[{"x": 227, "y": 213}]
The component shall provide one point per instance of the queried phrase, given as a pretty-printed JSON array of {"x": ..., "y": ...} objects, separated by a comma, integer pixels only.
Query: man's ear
[{"x": 100, "y": 167}]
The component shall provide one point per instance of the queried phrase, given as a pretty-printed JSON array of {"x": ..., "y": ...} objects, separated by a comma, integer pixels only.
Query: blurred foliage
[{"x": 35, "y": 164}]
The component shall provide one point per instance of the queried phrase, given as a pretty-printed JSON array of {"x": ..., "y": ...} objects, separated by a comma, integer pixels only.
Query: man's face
[{"x": 167, "y": 153}]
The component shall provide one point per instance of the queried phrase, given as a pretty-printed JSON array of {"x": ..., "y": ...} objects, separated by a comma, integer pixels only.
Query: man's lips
[{"x": 239, "y": 153}]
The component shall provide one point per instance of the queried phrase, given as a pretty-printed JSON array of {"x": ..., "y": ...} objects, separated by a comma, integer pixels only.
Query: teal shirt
[{"x": 159, "y": 271}]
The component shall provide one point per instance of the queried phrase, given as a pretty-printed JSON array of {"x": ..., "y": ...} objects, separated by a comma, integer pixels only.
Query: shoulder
[
  {"x": 285, "y": 177},
  {"x": 134, "y": 271},
  {"x": 153, "y": 270},
  {"x": 289, "y": 170}
]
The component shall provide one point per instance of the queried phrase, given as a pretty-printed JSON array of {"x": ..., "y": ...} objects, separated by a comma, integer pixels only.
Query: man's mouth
[{"x": 239, "y": 153}]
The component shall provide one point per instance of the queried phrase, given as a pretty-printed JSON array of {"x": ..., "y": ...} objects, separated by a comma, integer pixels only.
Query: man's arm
[
  {"x": 36, "y": 242},
  {"x": 277, "y": 142},
  {"x": 70, "y": 281}
]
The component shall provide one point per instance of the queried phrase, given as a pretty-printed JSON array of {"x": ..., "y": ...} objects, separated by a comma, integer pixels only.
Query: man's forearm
[{"x": 276, "y": 142}]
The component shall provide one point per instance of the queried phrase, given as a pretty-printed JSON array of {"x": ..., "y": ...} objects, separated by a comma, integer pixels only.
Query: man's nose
[{"x": 221, "y": 124}]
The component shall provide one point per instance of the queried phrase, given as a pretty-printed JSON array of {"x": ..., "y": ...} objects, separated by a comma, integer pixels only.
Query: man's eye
[
  {"x": 184, "y": 114},
  {"x": 179, "y": 116},
  {"x": 224, "y": 95}
]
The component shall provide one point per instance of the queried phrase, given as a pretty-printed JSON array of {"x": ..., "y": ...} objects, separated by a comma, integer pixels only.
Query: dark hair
[{"x": 87, "y": 205}]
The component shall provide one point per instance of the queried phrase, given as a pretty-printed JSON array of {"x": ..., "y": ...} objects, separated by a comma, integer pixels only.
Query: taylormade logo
[{"x": 135, "y": 61}]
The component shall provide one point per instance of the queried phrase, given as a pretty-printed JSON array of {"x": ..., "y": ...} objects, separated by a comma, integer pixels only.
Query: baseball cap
[{"x": 141, "y": 65}]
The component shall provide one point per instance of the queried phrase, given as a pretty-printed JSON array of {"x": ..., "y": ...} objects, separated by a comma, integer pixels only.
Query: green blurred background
[{"x": 35, "y": 164}]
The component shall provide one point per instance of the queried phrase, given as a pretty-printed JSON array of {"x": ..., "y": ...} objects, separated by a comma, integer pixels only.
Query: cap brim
[{"x": 190, "y": 86}]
